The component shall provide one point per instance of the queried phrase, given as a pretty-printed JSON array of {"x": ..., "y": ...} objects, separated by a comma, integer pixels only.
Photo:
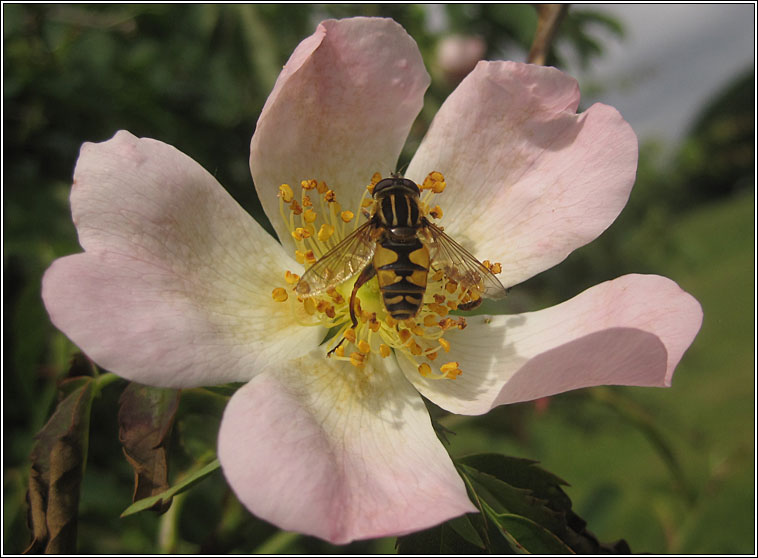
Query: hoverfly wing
[
  {"x": 459, "y": 265},
  {"x": 340, "y": 263}
]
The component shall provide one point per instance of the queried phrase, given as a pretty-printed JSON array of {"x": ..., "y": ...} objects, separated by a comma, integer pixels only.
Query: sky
[{"x": 672, "y": 60}]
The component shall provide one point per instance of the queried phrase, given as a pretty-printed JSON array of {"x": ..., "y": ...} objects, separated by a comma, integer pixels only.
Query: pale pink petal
[
  {"x": 629, "y": 331},
  {"x": 528, "y": 180},
  {"x": 175, "y": 285},
  {"x": 321, "y": 447},
  {"x": 339, "y": 112}
]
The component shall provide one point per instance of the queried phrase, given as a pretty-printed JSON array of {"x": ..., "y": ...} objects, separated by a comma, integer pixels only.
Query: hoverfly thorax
[{"x": 397, "y": 206}]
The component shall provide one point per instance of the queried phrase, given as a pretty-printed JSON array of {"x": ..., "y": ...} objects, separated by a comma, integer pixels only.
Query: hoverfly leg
[
  {"x": 470, "y": 305},
  {"x": 366, "y": 275},
  {"x": 335, "y": 348}
]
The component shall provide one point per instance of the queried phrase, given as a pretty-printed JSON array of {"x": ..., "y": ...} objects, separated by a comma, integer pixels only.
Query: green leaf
[
  {"x": 145, "y": 417},
  {"x": 527, "y": 506},
  {"x": 192, "y": 478},
  {"x": 58, "y": 461},
  {"x": 534, "y": 538},
  {"x": 443, "y": 539}
]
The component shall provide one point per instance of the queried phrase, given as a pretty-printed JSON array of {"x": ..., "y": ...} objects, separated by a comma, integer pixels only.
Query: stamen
[{"x": 317, "y": 226}]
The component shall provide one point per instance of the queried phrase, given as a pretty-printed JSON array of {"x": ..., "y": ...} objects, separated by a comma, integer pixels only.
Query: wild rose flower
[{"x": 179, "y": 287}]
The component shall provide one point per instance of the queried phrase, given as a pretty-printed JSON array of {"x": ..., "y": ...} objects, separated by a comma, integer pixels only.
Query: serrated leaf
[
  {"x": 534, "y": 538},
  {"x": 522, "y": 473},
  {"x": 145, "y": 417},
  {"x": 462, "y": 525},
  {"x": 192, "y": 478},
  {"x": 442, "y": 539},
  {"x": 58, "y": 460},
  {"x": 505, "y": 498},
  {"x": 503, "y": 486}
]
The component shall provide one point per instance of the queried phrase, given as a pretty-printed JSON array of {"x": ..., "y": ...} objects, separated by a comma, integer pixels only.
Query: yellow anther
[
  {"x": 436, "y": 212},
  {"x": 418, "y": 330},
  {"x": 431, "y": 356},
  {"x": 347, "y": 216},
  {"x": 325, "y": 232},
  {"x": 309, "y": 216},
  {"x": 374, "y": 324},
  {"x": 308, "y": 184},
  {"x": 300, "y": 256},
  {"x": 450, "y": 370},
  {"x": 404, "y": 335},
  {"x": 286, "y": 193},
  {"x": 364, "y": 347},
  {"x": 424, "y": 369},
  {"x": 279, "y": 294},
  {"x": 452, "y": 305},
  {"x": 461, "y": 324},
  {"x": 350, "y": 335},
  {"x": 310, "y": 306},
  {"x": 340, "y": 351},
  {"x": 300, "y": 233},
  {"x": 322, "y": 187},
  {"x": 415, "y": 348},
  {"x": 447, "y": 323},
  {"x": 384, "y": 350},
  {"x": 439, "y": 299},
  {"x": 330, "y": 196},
  {"x": 375, "y": 178},
  {"x": 357, "y": 359},
  {"x": 434, "y": 182},
  {"x": 291, "y": 278},
  {"x": 310, "y": 257},
  {"x": 295, "y": 207},
  {"x": 439, "y": 309},
  {"x": 438, "y": 275},
  {"x": 390, "y": 321},
  {"x": 444, "y": 343},
  {"x": 430, "y": 320},
  {"x": 307, "y": 201},
  {"x": 367, "y": 202},
  {"x": 496, "y": 268},
  {"x": 448, "y": 366},
  {"x": 451, "y": 287}
]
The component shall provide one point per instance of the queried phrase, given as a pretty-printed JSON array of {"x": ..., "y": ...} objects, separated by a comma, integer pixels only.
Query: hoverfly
[{"x": 399, "y": 246}]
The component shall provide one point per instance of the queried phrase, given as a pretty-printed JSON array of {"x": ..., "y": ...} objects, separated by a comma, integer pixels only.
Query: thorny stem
[{"x": 549, "y": 18}]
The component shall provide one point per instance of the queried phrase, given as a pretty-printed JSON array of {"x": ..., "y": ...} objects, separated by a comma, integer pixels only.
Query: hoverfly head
[{"x": 395, "y": 185}]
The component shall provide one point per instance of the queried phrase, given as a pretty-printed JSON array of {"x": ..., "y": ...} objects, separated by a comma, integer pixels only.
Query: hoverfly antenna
[{"x": 399, "y": 172}]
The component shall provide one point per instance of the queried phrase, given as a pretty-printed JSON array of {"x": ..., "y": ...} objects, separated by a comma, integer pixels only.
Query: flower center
[{"x": 318, "y": 223}]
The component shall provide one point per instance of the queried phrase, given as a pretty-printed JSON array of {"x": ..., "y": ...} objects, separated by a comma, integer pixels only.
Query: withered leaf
[
  {"x": 58, "y": 458},
  {"x": 145, "y": 417}
]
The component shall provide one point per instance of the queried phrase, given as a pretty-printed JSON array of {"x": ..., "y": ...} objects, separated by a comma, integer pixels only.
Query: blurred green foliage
[{"x": 196, "y": 77}]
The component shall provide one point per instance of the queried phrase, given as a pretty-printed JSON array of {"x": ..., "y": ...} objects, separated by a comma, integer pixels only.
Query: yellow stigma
[{"x": 317, "y": 223}]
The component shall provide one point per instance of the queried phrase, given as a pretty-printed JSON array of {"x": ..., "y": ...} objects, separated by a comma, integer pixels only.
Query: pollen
[
  {"x": 325, "y": 232},
  {"x": 309, "y": 216},
  {"x": 286, "y": 193},
  {"x": 318, "y": 223},
  {"x": 279, "y": 294}
]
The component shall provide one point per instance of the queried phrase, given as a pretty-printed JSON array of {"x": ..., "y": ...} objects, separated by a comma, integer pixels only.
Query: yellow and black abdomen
[{"x": 402, "y": 266}]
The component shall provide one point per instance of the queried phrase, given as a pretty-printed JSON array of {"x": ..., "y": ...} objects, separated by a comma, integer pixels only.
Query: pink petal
[
  {"x": 629, "y": 331},
  {"x": 339, "y": 112},
  {"x": 528, "y": 180},
  {"x": 323, "y": 448},
  {"x": 175, "y": 285}
]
